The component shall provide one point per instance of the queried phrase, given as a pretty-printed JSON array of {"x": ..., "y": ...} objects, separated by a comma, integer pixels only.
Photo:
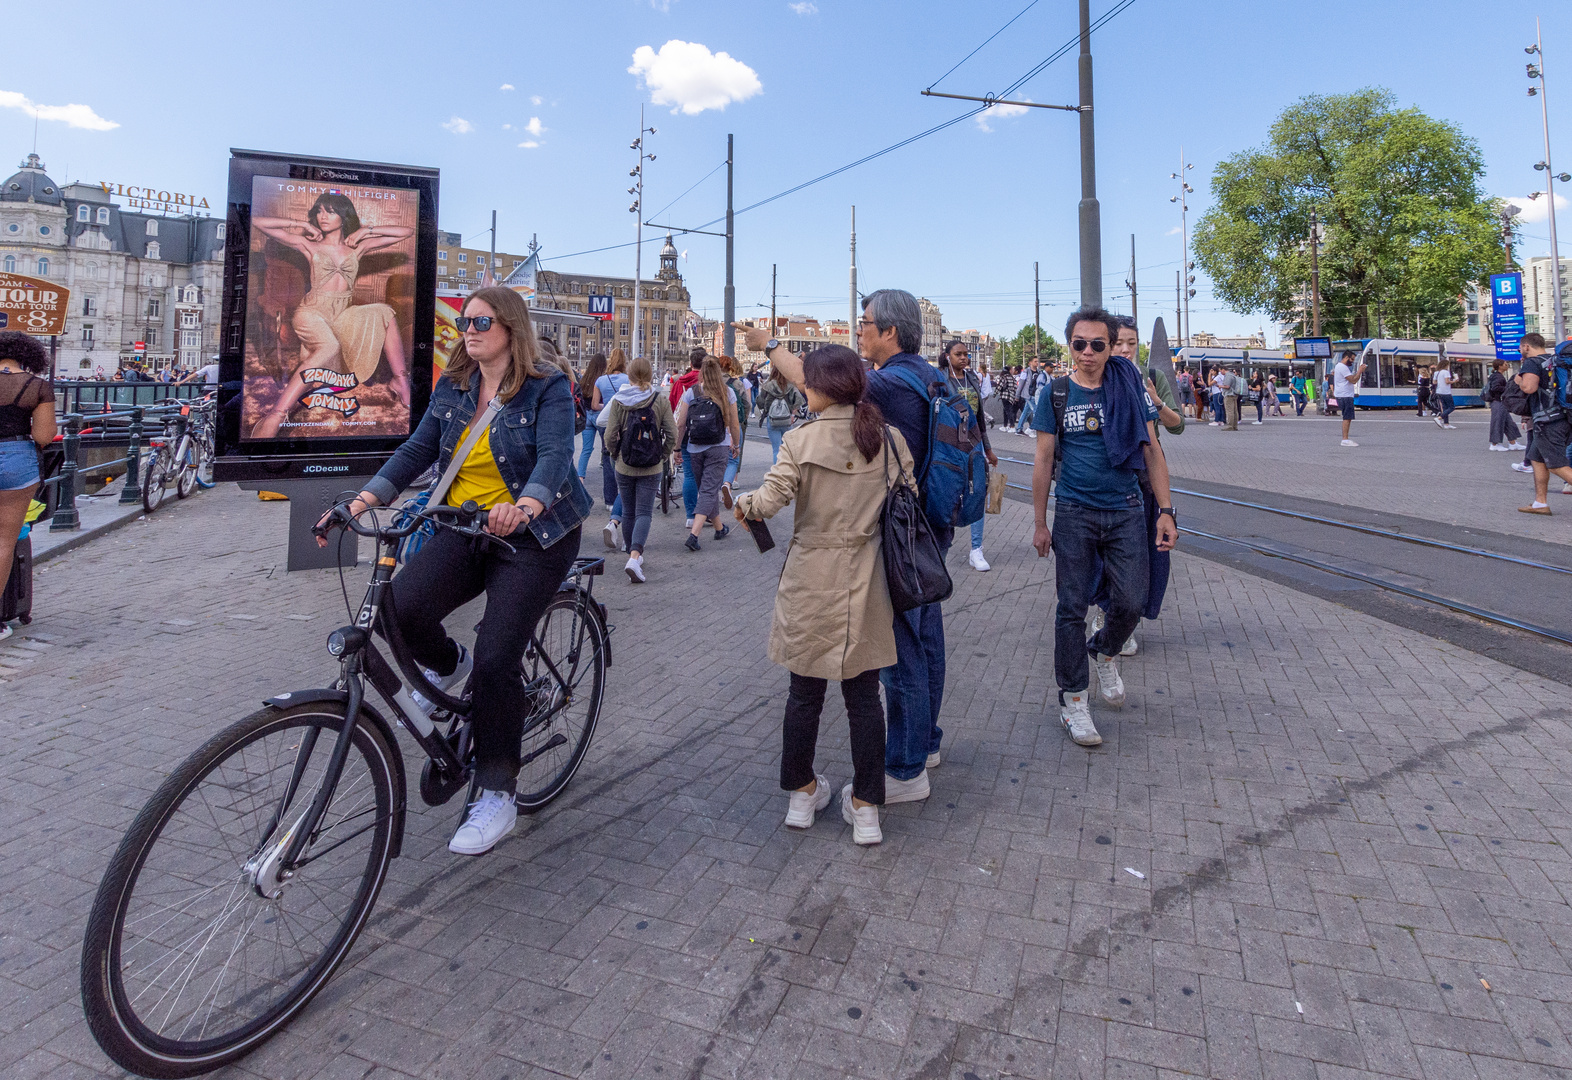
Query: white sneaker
[
  {"x": 1518, "y": 466},
  {"x": 1098, "y": 618},
  {"x": 1109, "y": 686},
  {"x": 1255, "y": 423},
  {"x": 1348, "y": 442},
  {"x": 803, "y": 805},
  {"x": 1076, "y": 716},
  {"x": 1497, "y": 447},
  {"x": 913, "y": 790},
  {"x": 1519, "y": 445},
  {"x": 1450, "y": 427},
  {"x": 466, "y": 664},
  {"x": 1437, "y": 419},
  {"x": 490, "y": 818},
  {"x": 635, "y": 569},
  {"x": 977, "y": 560},
  {"x": 612, "y": 534},
  {"x": 1129, "y": 647},
  {"x": 5, "y": 630},
  {"x": 932, "y": 763},
  {"x": 688, "y": 524},
  {"x": 1566, "y": 489},
  {"x": 864, "y": 820},
  {"x": 1213, "y": 423}
]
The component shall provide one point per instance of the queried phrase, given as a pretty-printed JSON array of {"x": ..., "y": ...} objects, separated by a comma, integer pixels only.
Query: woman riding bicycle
[{"x": 522, "y": 472}]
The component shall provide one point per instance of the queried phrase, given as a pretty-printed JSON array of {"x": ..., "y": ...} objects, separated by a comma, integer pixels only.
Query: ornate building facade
[
  {"x": 133, "y": 276},
  {"x": 669, "y": 328}
]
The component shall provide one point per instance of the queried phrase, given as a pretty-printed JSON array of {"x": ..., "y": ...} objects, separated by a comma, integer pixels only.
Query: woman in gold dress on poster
[{"x": 335, "y": 332}]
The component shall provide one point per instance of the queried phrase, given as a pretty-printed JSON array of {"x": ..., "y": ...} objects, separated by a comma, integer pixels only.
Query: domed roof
[
  {"x": 31, "y": 184},
  {"x": 669, "y": 249}
]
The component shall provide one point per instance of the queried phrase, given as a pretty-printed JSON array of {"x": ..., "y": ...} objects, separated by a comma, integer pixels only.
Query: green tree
[
  {"x": 1405, "y": 227},
  {"x": 1019, "y": 349}
]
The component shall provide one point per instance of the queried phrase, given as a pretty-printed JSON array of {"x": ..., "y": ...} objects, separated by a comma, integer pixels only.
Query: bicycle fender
[{"x": 306, "y": 697}]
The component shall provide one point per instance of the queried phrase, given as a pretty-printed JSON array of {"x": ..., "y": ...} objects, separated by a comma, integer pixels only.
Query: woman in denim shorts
[{"x": 27, "y": 424}]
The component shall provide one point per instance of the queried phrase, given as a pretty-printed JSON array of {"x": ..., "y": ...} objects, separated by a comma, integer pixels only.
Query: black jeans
[
  {"x": 800, "y": 734},
  {"x": 1503, "y": 429},
  {"x": 450, "y": 571},
  {"x": 1159, "y": 566},
  {"x": 1082, "y": 536}
]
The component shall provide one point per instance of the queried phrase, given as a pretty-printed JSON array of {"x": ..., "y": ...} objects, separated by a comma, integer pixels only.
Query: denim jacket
[{"x": 531, "y": 440}]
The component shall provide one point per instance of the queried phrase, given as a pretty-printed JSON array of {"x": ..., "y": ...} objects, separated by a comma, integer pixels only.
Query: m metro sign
[
  {"x": 600, "y": 306},
  {"x": 33, "y": 305}
]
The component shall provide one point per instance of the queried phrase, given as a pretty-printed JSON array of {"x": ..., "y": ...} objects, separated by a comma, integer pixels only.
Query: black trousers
[
  {"x": 450, "y": 571},
  {"x": 800, "y": 734}
]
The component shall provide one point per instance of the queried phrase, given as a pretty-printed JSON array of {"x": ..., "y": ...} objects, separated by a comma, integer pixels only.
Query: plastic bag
[{"x": 995, "y": 502}]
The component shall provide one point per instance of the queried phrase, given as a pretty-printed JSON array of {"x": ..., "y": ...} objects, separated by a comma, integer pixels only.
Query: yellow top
[{"x": 478, "y": 478}]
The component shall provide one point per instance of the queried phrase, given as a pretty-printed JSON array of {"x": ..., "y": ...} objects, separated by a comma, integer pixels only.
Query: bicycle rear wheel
[
  {"x": 665, "y": 488},
  {"x": 155, "y": 481},
  {"x": 186, "y": 464},
  {"x": 572, "y": 636},
  {"x": 185, "y": 965}
]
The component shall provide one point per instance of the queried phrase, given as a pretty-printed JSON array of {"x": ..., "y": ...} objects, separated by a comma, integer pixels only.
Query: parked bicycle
[
  {"x": 182, "y": 455},
  {"x": 244, "y": 881}
]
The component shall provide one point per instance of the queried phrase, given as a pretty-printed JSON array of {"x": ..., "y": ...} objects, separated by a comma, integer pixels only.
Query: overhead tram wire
[
  {"x": 685, "y": 194},
  {"x": 979, "y": 48}
]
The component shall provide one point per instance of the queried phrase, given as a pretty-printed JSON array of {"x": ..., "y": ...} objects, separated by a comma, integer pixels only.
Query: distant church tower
[{"x": 668, "y": 263}]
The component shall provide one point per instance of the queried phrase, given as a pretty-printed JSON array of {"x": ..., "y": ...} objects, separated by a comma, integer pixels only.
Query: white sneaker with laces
[
  {"x": 914, "y": 790},
  {"x": 1498, "y": 447},
  {"x": 1109, "y": 686},
  {"x": 978, "y": 562},
  {"x": 1437, "y": 419},
  {"x": 1519, "y": 445},
  {"x": 1450, "y": 427},
  {"x": 1566, "y": 489},
  {"x": 1518, "y": 466},
  {"x": 635, "y": 569},
  {"x": 1348, "y": 442},
  {"x": 864, "y": 820},
  {"x": 490, "y": 818},
  {"x": 1129, "y": 647},
  {"x": 1255, "y": 423},
  {"x": 466, "y": 664},
  {"x": 803, "y": 805},
  {"x": 1076, "y": 716},
  {"x": 612, "y": 534},
  {"x": 933, "y": 762}
]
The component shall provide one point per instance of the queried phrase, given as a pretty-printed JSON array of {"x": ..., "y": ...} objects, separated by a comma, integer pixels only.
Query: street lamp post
[
  {"x": 637, "y": 209},
  {"x": 1536, "y": 71},
  {"x": 1184, "y": 238}
]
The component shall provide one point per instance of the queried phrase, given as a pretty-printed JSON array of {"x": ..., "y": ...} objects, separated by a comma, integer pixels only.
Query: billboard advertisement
[
  {"x": 327, "y": 342},
  {"x": 33, "y": 305}
]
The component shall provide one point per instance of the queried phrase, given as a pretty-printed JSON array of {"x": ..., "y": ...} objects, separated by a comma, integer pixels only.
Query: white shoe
[
  {"x": 1519, "y": 445},
  {"x": 5, "y": 630},
  {"x": 1497, "y": 447},
  {"x": 1129, "y": 647},
  {"x": 1213, "y": 423},
  {"x": 688, "y": 524},
  {"x": 1566, "y": 489},
  {"x": 1348, "y": 442},
  {"x": 635, "y": 569},
  {"x": 977, "y": 561},
  {"x": 864, "y": 820},
  {"x": 1098, "y": 618},
  {"x": 1109, "y": 686},
  {"x": 1076, "y": 716},
  {"x": 1450, "y": 427},
  {"x": 1255, "y": 423},
  {"x": 490, "y": 818},
  {"x": 1518, "y": 466},
  {"x": 932, "y": 763},
  {"x": 1437, "y": 419},
  {"x": 803, "y": 805},
  {"x": 612, "y": 534},
  {"x": 466, "y": 664},
  {"x": 913, "y": 790}
]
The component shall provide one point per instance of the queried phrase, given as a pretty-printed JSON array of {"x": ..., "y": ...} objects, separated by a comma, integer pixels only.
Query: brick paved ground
[
  {"x": 1402, "y": 465},
  {"x": 1346, "y": 831}
]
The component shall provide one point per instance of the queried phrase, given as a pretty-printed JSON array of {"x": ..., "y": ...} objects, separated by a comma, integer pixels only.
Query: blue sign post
[
  {"x": 600, "y": 305},
  {"x": 1506, "y": 314}
]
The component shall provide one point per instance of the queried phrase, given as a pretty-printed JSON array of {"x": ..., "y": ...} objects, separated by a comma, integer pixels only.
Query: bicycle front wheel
[
  {"x": 187, "y": 463},
  {"x": 186, "y": 965},
  {"x": 572, "y": 637},
  {"x": 155, "y": 481}
]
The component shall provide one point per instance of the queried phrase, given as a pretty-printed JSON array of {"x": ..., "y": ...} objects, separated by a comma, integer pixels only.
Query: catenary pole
[
  {"x": 1315, "y": 274},
  {"x": 638, "y": 247},
  {"x": 729, "y": 335},
  {"x": 851, "y": 317},
  {"x": 1135, "y": 312},
  {"x": 772, "y": 299},
  {"x": 1090, "y": 215},
  {"x": 1550, "y": 189},
  {"x": 1037, "y": 312}
]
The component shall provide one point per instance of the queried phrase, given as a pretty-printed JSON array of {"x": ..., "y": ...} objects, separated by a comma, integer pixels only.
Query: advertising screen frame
[{"x": 315, "y": 457}]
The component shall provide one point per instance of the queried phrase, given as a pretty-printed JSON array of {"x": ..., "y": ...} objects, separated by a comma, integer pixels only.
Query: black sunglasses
[
  {"x": 1097, "y": 345},
  {"x": 481, "y": 323}
]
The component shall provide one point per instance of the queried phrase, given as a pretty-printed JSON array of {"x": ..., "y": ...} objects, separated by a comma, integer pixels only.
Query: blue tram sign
[{"x": 1506, "y": 313}]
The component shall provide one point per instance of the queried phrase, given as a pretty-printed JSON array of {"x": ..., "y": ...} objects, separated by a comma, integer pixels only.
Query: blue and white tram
[{"x": 1391, "y": 378}]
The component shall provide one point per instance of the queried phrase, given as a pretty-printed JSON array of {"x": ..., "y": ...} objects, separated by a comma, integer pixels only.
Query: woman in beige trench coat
[{"x": 833, "y": 618}]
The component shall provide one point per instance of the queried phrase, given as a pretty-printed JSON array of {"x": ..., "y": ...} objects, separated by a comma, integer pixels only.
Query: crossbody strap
[{"x": 476, "y": 430}]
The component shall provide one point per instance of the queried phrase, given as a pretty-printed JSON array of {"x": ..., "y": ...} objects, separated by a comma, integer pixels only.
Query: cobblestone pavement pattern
[{"x": 1353, "y": 841}]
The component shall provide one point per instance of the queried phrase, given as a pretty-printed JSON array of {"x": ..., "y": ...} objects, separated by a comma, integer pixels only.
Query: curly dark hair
[{"x": 24, "y": 349}]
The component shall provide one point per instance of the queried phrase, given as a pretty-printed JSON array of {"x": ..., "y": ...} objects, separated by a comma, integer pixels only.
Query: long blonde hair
[
  {"x": 513, "y": 314},
  {"x": 617, "y": 362}
]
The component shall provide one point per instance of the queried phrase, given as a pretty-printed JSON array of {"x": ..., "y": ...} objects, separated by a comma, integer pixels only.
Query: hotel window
[
  {"x": 463, "y": 256},
  {"x": 83, "y": 213},
  {"x": 89, "y": 306},
  {"x": 442, "y": 256},
  {"x": 190, "y": 339},
  {"x": 187, "y": 318},
  {"x": 10, "y": 264},
  {"x": 480, "y": 260},
  {"x": 103, "y": 215},
  {"x": 152, "y": 228},
  {"x": 43, "y": 267},
  {"x": 221, "y": 230},
  {"x": 87, "y": 335},
  {"x": 155, "y": 309},
  {"x": 460, "y": 273},
  {"x": 152, "y": 248},
  {"x": 151, "y": 337}
]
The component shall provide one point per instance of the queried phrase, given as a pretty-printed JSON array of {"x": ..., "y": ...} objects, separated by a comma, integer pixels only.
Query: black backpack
[
  {"x": 1513, "y": 398},
  {"x": 641, "y": 445},
  {"x": 706, "y": 422}
]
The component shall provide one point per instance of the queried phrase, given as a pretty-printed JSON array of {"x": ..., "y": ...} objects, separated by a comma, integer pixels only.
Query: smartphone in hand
[{"x": 761, "y": 534}]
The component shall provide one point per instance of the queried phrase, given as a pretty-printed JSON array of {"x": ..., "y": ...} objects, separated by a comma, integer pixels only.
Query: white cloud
[
  {"x": 662, "y": 6},
  {"x": 997, "y": 112},
  {"x": 507, "y": 86},
  {"x": 528, "y": 144},
  {"x": 507, "y": 127},
  {"x": 1534, "y": 211},
  {"x": 77, "y": 116},
  {"x": 687, "y": 76},
  {"x": 1175, "y": 231},
  {"x": 458, "y": 125},
  {"x": 535, "y": 99},
  {"x": 806, "y": 7},
  {"x": 534, "y": 126}
]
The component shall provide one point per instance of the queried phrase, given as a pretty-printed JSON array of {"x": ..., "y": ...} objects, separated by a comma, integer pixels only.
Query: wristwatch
[
  {"x": 1170, "y": 512},
  {"x": 770, "y": 345}
]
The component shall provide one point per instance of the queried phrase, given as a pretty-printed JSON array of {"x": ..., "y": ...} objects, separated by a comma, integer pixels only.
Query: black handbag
[{"x": 913, "y": 564}]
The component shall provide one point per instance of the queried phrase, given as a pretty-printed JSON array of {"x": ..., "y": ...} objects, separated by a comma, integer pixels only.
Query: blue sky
[{"x": 958, "y": 217}]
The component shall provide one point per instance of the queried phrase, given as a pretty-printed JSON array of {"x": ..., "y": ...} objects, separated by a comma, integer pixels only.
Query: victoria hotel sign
[{"x": 146, "y": 198}]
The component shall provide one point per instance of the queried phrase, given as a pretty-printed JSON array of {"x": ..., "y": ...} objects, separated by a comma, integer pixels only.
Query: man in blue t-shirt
[
  {"x": 1547, "y": 447},
  {"x": 1107, "y": 434},
  {"x": 890, "y": 334}
]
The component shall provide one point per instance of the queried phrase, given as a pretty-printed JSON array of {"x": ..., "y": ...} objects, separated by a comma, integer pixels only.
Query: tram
[
  {"x": 1391, "y": 378},
  {"x": 1203, "y": 360}
]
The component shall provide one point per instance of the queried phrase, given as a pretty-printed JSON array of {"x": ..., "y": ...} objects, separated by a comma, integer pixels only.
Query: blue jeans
[
  {"x": 1081, "y": 536},
  {"x": 1448, "y": 403},
  {"x": 588, "y": 444},
  {"x": 977, "y": 527},
  {"x": 639, "y": 493},
  {"x": 1159, "y": 564},
  {"x": 776, "y": 434},
  {"x": 913, "y": 691},
  {"x": 735, "y": 463},
  {"x": 690, "y": 484},
  {"x": 608, "y": 481},
  {"x": 1028, "y": 410}
]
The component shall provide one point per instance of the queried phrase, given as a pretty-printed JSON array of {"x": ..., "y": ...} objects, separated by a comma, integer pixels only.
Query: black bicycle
[{"x": 244, "y": 881}]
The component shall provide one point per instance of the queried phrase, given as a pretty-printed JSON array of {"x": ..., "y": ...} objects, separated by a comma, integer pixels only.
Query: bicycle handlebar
[{"x": 468, "y": 520}]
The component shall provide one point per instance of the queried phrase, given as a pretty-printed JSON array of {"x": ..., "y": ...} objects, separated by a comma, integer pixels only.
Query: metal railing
[
  {"x": 83, "y": 396},
  {"x": 115, "y": 427}
]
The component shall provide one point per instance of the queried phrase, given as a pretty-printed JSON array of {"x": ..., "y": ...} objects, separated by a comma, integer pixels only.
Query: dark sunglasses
[
  {"x": 481, "y": 323},
  {"x": 1097, "y": 345}
]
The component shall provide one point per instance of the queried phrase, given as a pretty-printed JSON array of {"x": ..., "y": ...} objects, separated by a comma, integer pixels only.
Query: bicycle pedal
[{"x": 438, "y": 786}]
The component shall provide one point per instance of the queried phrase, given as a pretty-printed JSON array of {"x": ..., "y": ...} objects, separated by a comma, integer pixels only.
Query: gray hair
[{"x": 897, "y": 308}]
